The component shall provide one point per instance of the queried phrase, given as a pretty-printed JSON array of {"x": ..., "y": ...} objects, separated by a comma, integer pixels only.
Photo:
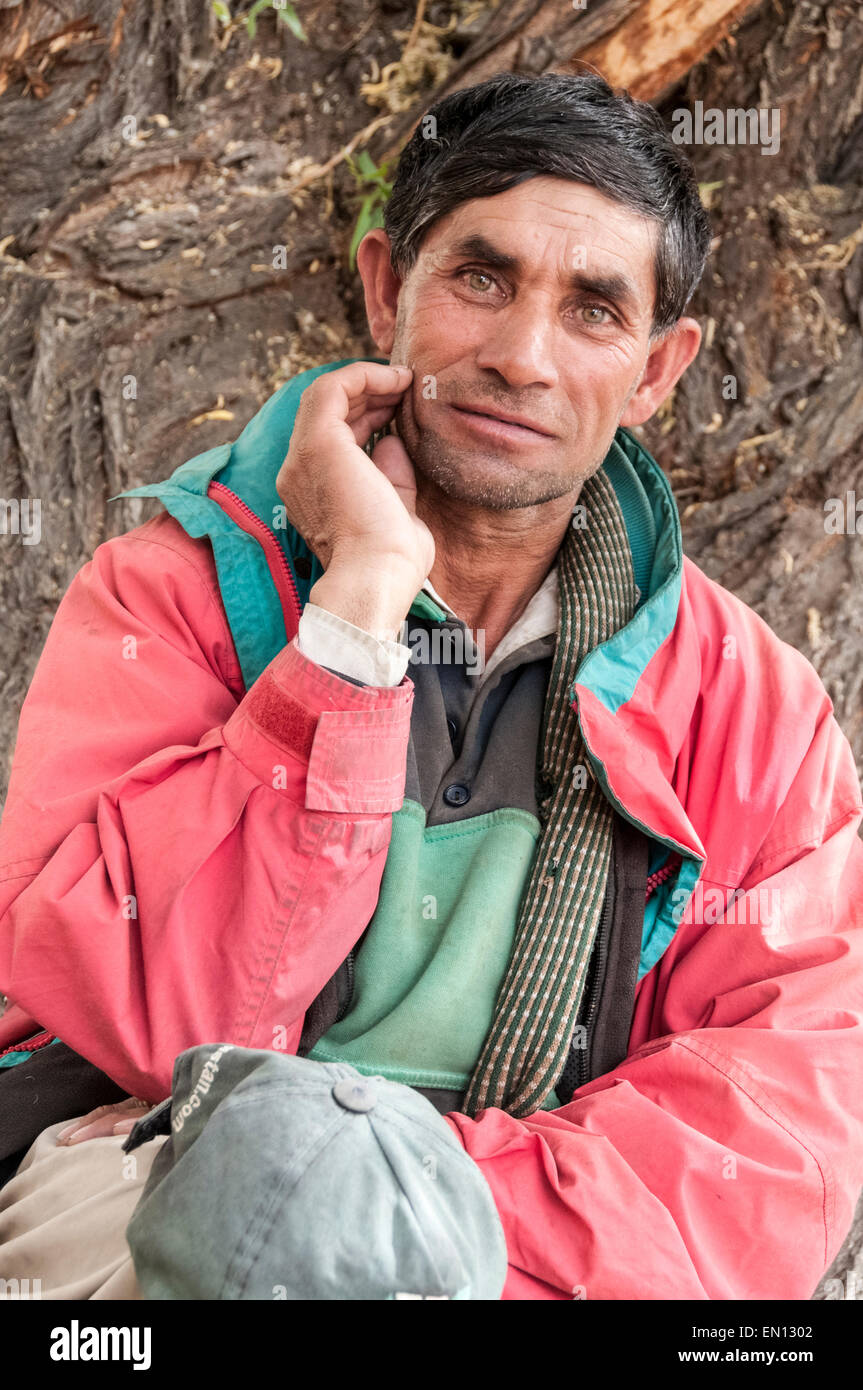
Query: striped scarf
[{"x": 537, "y": 1005}]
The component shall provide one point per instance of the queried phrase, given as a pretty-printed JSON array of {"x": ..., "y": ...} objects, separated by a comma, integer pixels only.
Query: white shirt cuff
[{"x": 340, "y": 646}]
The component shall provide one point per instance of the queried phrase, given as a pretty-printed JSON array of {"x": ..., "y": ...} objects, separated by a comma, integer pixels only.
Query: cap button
[{"x": 355, "y": 1095}]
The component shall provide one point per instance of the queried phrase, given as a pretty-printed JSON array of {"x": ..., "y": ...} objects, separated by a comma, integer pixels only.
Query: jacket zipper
[
  {"x": 30, "y": 1044},
  {"x": 601, "y": 949},
  {"x": 279, "y": 567},
  {"x": 660, "y": 875}
]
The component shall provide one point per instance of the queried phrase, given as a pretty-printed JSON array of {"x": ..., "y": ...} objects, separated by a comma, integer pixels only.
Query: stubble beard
[{"x": 472, "y": 481}]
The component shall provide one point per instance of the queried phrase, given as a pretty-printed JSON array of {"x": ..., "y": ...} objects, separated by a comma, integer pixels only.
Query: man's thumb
[{"x": 390, "y": 456}]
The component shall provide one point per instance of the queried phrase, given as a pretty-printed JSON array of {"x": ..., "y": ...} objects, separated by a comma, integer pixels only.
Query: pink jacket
[{"x": 189, "y": 861}]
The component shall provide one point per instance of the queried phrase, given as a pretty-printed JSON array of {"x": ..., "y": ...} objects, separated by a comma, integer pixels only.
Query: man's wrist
[{"x": 374, "y": 597}]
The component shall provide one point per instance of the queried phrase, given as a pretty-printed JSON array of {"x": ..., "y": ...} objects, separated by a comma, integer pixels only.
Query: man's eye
[
  {"x": 592, "y": 312},
  {"x": 472, "y": 276}
]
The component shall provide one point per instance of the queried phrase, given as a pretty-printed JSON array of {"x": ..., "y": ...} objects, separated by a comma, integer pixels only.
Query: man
[{"x": 587, "y": 873}]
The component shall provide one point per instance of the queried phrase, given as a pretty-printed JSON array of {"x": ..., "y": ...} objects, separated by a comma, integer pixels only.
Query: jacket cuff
[{"x": 350, "y": 741}]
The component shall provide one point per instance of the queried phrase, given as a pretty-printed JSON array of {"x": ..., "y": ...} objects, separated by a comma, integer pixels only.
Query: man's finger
[
  {"x": 101, "y": 1121},
  {"x": 370, "y": 422},
  {"x": 124, "y": 1126},
  {"x": 347, "y": 388},
  {"x": 97, "y": 1130}
]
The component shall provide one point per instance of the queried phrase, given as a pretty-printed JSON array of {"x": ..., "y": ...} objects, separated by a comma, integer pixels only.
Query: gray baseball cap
[{"x": 288, "y": 1178}]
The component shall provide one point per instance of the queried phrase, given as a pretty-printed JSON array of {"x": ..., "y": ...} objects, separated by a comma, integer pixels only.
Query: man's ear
[
  {"x": 381, "y": 286},
  {"x": 666, "y": 362}
]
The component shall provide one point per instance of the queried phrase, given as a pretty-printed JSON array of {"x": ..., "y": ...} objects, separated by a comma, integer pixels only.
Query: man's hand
[
  {"x": 357, "y": 513},
  {"x": 105, "y": 1120}
]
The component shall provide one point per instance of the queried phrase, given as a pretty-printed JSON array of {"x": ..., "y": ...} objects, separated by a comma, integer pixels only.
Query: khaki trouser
[{"x": 63, "y": 1218}]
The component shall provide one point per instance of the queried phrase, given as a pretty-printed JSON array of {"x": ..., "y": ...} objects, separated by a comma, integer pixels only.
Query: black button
[
  {"x": 303, "y": 567},
  {"x": 456, "y": 794},
  {"x": 453, "y": 729}
]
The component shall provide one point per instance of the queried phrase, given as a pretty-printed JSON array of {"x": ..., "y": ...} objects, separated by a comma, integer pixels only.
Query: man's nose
[{"x": 520, "y": 344}]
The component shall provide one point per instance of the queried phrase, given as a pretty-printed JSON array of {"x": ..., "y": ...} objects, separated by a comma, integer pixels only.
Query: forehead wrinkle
[
  {"x": 610, "y": 212},
  {"x": 621, "y": 236}
]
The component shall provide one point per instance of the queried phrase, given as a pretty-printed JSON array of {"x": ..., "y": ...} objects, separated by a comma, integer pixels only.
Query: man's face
[{"x": 534, "y": 303}]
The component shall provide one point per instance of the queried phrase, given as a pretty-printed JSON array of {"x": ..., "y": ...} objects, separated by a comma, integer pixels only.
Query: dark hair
[{"x": 488, "y": 138}]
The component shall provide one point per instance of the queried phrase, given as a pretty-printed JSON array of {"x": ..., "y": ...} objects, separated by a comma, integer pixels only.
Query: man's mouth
[{"x": 502, "y": 424}]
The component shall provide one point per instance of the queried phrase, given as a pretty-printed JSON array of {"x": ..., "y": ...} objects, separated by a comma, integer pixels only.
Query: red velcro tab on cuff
[{"x": 284, "y": 719}]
